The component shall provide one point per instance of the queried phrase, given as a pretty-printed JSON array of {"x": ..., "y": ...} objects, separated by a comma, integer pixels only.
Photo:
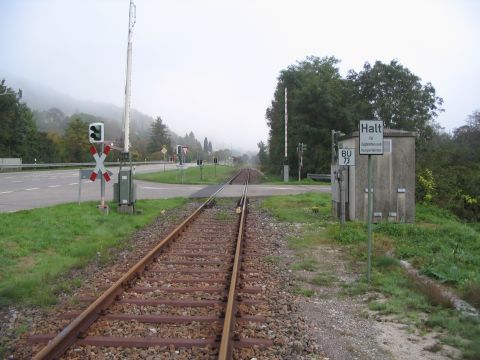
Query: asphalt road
[{"x": 32, "y": 189}]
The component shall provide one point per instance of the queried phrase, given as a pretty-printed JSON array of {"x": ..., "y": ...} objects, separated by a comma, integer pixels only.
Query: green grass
[
  {"x": 272, "y": 259},
  {"x": 271, "y": 179},
  {"x": 303, "y": 291},
  {"x": 38, "y": 247},
  {"x": 323, "y": 279},
  {"x": 308, "y": 263},
  {"x": 298, "y": 208},
  {"x": 191, "y": 175},
  {"x": 438, "y": 244},
  {"x": 222, "y": 215}
]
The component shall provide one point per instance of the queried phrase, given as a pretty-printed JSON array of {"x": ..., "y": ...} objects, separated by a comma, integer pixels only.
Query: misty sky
[{"x": 211, "y": 67}]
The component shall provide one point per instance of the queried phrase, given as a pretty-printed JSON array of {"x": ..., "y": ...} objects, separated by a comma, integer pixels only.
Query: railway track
[{"x": 192, "y": 290}]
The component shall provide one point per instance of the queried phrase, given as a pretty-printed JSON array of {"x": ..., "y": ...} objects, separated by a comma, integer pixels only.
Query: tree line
[
  {"x": 50, "y": 136},
  {"x": 321, "y": 100}
]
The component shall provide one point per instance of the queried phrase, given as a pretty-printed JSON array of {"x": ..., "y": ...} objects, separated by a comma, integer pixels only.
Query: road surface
[{"x": 33, "y": 189}]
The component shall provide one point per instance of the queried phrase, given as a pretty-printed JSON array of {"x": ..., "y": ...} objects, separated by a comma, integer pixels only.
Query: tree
[
  {"x": 158, "y": 136},
  {"x": 262, "y": 154},
  {"x": 205, "y": 145},
  {"x": 50, "y": 148},
  {"x": 76, "y": 141},
  {"x": 18, "y": 130},
  {"x": 319, "y": 100},
  {"x": 393, "y": 94}
]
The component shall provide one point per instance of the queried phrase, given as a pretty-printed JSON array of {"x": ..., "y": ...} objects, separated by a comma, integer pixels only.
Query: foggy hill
[
  {"x": 45, "y": 102},
  {"x": 41, "y": 98}
]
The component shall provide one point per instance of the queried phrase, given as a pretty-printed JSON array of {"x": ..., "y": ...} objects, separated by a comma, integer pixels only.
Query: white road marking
[
  {"x": 72, "y": 184},
  {"x": 31, "y": 189},
  {"x": 153, "y": 188},
  {"x": 17, "y": 181},
  {"x": 54, "y": 186},
  {"x": 281, "y": 188},
  {"x": 6, "y": 192}
]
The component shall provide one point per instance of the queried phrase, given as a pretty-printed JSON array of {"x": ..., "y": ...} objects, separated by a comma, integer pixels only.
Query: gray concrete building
[{"x": 393, "y": 179}]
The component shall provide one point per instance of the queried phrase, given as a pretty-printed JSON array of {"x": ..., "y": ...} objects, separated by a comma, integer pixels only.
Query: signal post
[{"x": 96, "y": 134}]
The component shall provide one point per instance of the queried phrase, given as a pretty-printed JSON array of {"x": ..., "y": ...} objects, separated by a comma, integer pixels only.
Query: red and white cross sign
[{"x": 99, "y": 160}]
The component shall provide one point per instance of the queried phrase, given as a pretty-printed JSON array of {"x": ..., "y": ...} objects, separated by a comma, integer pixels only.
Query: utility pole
[
  {"x": 128, "y": 82},
  {"x": 300, "y": 148},
  {"x": 126, "y": 192},
  {"x": 285, "y": 164}
]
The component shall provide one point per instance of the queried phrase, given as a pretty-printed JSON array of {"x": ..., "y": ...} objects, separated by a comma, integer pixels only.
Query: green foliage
[
  {"x": 18, "y": 135},
  {"x": 38, "y": 247},
  {"x": 159, "y": 138},
  {"x": 262, "y": 155},
  {"x": 76, "y": 141},
  {"x": 318, "y": 101},
  {"x": 392, "y": 93},
  {"x": 427, "y": 186},
  {"x": 455, "y": 165}
]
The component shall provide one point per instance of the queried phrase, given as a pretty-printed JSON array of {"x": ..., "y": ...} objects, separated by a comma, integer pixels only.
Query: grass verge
[
  {"x": 211, "y": 174},
  {"x": 271, "y": 179},
  {"x": 38, "y": 246},
  {"x": 439, "y": 245}
]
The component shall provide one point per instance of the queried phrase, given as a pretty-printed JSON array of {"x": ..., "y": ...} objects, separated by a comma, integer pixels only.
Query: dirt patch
[{"x": 341, "y": 323}]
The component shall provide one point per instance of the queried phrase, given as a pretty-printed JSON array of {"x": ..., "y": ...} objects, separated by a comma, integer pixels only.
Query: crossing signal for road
[
  {"x": 179, "y": 149},
  {"x": 96, "y": 132},
  {"x": 215, "y": 160}
]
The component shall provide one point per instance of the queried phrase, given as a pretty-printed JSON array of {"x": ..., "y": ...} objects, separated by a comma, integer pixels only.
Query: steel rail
[
  {"x": 226, "y": 344},
  {"x": 76, "y": 329}
]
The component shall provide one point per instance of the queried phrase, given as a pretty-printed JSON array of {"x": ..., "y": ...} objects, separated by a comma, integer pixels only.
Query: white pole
[
  {"x": 285, "y": 164},
  {"x": 286, "y": 125},
  {"x": 126, "y": 115}
]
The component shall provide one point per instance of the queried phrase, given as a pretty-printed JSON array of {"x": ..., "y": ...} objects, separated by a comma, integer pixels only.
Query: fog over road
[{"x": 33, "y": 189}]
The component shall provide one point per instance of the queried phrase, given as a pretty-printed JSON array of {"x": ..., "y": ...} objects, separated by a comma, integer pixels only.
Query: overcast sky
[{"x": 211, "y": 67}]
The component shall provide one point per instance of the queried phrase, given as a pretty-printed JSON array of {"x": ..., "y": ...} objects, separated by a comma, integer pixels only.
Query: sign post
[
  {"x": 346, "y": 157},
  {"x": 100, "y": 168},
  {"x": 371, "y": 143}
]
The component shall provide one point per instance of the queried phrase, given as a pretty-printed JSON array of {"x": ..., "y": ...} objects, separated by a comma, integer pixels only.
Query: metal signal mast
[
  {"x": 124, "y": 190},
  {"x": 128, "y": 82}
]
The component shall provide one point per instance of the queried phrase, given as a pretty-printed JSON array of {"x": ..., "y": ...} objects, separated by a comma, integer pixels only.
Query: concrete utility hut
[{"x": 393, "y": 179}]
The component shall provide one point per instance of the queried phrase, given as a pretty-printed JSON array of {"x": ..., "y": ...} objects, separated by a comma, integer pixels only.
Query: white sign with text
[
  {"x": 346, "y": 157},
  {"x": 371, "y": 137}
]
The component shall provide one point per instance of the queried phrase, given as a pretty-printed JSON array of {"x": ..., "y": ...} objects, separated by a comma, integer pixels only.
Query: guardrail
[
  {"x": 89, "y": 164},
  {"x": 319, "y": 177}
]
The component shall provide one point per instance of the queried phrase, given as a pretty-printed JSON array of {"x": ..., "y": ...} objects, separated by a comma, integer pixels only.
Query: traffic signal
[
  {"x": 215, "y": 160},
  {"x": 96, "y": 132},
  {"x": 304, "y": 147},
  {"x": 179, "y": 149}
]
